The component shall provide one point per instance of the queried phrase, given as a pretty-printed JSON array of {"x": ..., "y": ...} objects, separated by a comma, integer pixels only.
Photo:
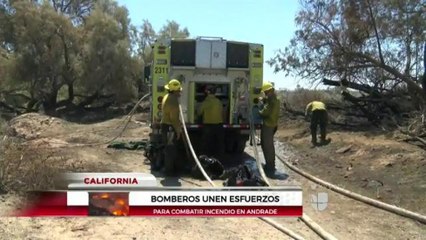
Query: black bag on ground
[
  {"x": 212, "y": 166},
  {"x": 243, "y": 175},
  {"x": 154, "y": 154}
]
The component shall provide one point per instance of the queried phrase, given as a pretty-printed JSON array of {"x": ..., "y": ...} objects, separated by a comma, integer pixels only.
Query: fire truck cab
[{"x": 234, "y": 68}]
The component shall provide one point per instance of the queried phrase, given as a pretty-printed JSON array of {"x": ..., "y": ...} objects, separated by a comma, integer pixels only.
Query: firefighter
[
  {"x": 211, "y": 112},
  {"x": 171, "y": 127},
  {"x": 269, "y": 114},
  {"x": 318, "y": 117}
]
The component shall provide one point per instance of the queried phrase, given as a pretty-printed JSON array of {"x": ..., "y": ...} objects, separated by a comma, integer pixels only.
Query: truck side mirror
[{"x": 147, "y": 73}]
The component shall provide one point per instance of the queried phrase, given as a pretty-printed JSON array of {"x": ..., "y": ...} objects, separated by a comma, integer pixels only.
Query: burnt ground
[
  {"x": 371, "y": 163},
  {"x": 375, "y": 159}
]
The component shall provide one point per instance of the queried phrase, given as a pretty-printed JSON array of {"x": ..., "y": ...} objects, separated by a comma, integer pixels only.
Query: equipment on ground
[
  {"x": 243, "y": 175},
  {"x": 132, "y": 145},
  {"x": 212, "y": 166}
]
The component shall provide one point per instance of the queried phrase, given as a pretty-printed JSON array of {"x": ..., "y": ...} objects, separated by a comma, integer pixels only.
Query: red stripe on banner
[
  {"x": 50, "y": 199},
  {"x": 173, "y": 211},
  {"x": 56, "y": 211},
  {"x": 217, "y": 211},
  {"x": 243, "y": 126},
  {"x": 51, "y": 204}
]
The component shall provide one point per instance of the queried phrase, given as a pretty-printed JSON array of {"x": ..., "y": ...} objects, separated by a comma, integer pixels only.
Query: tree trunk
[
  {"x": 49, "y": 104},
  {"x": 416, "y": 90},
  {"x": 70, "y": 92},
  {"x": 33, "y": 105},
  {"x": 361, "y": 87},
  {"x": 371, "y": 116},
  {"x": 424, "y": 73},
  {"x": 8, "y": 107},
  {"x": 90, "y": 99}
]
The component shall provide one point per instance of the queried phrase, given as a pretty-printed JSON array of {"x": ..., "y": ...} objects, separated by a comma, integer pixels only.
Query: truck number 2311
[{"x": 161, "y": 70}]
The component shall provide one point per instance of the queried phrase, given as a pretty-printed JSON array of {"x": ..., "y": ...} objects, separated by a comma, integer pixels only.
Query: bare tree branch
[{"x": 376, "y": 33}]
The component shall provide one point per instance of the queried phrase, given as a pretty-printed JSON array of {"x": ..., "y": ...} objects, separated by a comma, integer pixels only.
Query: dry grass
[
  {"x": 30, "y": 161},
  {"x": 341, "y": 113},
  {"x": 299, "y": 98},
  {"x": 24, "y": 168}
]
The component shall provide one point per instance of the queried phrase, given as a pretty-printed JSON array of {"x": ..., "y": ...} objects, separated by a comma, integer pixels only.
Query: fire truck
[{"x": 234, "y": 68}]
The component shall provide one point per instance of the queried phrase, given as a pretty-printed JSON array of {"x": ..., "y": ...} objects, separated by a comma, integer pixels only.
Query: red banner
[
  {"x": 173, "y": 211},
  {"x": 53, "y": 204}
]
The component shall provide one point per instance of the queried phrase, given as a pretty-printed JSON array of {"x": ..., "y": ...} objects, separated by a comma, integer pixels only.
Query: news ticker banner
[{"x": 145, "y": 199}]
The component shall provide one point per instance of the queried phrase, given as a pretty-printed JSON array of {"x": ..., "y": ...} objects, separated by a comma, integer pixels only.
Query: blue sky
[{"x": 269, "y": 22}]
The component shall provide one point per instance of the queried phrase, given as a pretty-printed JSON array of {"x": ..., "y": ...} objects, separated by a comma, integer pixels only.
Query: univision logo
[{"x": 319, "y": 201}]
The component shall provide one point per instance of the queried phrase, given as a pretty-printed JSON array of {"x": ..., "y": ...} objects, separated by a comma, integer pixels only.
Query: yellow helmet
[
  {"x": 267, "y": 86},
  {"x": 173, "y": 85}
]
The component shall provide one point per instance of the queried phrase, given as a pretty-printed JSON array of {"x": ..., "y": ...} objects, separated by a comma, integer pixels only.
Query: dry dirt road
[{"x": 344, "y": 218}]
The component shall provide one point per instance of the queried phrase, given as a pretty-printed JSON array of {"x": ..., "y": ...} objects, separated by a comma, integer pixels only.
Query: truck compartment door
[
  {"x": 203, "y": 53},
  {"x": 218, "y": 55},
  {"x": 210, "y": 54}
]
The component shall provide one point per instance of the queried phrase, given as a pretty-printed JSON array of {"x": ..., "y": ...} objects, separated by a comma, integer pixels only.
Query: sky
[{"x": 268, "y": 22}]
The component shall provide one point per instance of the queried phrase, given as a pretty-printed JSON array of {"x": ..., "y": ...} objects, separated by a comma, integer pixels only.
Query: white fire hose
[
  {"x": 305, "y": 218},
  {"x": 206, "y": 176}
]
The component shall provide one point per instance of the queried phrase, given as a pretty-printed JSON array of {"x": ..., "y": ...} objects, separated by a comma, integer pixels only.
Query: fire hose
[
  {"x": 126, "y": 123},
  {"x": 305, "y": 218},
  {"x": 308, "y": 221},
  {"x": 129, "y": 116},
  {"x": 358, "y": 197},
  {"x": 206, "y": 176},
  {"x": 194, "y": 155}
]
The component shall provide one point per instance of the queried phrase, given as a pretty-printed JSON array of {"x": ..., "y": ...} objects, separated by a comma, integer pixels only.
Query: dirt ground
[
  {"x": 373, "y": 158},
  {"x": 374, "y": 163}
]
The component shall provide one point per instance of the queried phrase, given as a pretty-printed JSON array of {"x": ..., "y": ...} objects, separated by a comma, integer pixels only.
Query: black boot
[
  {"x": 314, "y": 141},
  {"x": 325, "y": 141},
  {"x": 269, "y": 171}
]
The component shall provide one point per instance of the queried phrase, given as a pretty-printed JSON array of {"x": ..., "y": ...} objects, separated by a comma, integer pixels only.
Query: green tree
[
  {"x": 107, "y": 62},
  {"x": 173, "y": 30},
  {"x": 145, "y": 37},
  {"x": 69, "y": 54},
  {"x": 371, "y": 42},
  {"x": 76, "y": 10},
  {"x": 43, "y": 42},
  {"x": 142, "y": 41}
]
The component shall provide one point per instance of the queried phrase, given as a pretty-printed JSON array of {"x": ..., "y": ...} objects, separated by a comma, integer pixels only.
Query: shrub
[
  {"x": 22, "y": 169},
  {"x": 299, "y": 98}
]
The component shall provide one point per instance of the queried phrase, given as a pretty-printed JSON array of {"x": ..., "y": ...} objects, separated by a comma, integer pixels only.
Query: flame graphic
[{"x": 114, "y": 203}]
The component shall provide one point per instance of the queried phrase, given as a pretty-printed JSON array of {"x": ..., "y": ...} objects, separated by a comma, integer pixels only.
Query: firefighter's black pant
[
  {"x": 213, "y": 140},
  {"x": 319, "y": 117},
  {"x": 170, "y": 153}
]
